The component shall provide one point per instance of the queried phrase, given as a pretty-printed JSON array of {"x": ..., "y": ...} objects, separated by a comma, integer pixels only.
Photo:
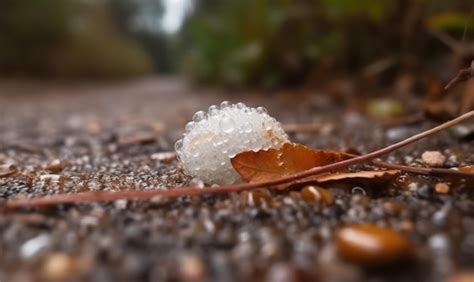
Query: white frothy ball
[{"x": 213, "y": 138}]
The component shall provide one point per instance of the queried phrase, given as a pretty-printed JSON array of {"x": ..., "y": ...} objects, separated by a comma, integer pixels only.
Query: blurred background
[{"x": 250, "y": 43}]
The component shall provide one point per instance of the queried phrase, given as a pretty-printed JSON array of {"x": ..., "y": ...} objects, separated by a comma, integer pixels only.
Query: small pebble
[
  {"x": 433, "y": 158},
  {"x": 385, "y": 108},
  {"x": 7, "y": 170},
  {"x": 392, "y": 208},
  {"x": 56, "y": 166},
  {"x": 256, "y": 198},
  {"x": 35, "y": 246},
  {"x": 53, "y": 178},
  {"x": 370, "y": 245},
  {"x": 313, "y": 194},
  {"x": 191, "y": 268},
  {"x": 165, "y": 157},
  {"x": 442, "y": 188},
  {"x": 59, "y": 266},
  {"x": 282, "y": 272},
  {"x": 120, "y": 204}
]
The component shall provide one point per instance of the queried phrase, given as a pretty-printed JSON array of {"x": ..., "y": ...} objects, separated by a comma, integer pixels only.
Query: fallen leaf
[{"x": 265, "y": 165}]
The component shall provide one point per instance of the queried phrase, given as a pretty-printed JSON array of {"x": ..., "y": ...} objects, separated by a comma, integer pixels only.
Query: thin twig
[
  {"x": 425, "y": 170},
  {"x": 420, "y": 170},
  {"x": 463, "y": 75},
  {"x": 191, "y": 191}
]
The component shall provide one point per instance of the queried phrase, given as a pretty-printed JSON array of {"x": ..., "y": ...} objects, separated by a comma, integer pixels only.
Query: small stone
[
  {"x": 52, "y": 178},
  {"x": 56, "y": 166},
  {"x": 392, "y": 208},
  {"x": 406, "y": 226},
  {"x": 433, "y": 158},
  {"x": 120, "y": 204},
  {"x": 370, "y": 245},
  {"x": 59, "y": 266},
  {"x": 425, "y": 192},
  {"x": 317, "y": 195},
  {"x": 385, "y": 108},
  {"x": 256, "y": 198},
  {"x": 165, "y": 157},
  {"x": 463, "y": 131},
  {"x": 7, "y": 170},
  {"x": 442, "y": 188},
  {"x": 35, "y": 246},
  {"x": 282, "y": 272},
  {"x": 191, "y": 268}
]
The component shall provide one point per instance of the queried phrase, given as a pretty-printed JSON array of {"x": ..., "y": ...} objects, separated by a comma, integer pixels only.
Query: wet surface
[{"x": 65, "y": 139}]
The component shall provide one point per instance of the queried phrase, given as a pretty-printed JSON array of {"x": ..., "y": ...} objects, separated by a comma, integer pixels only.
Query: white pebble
[
  {"x": 433, "y": 158},
  {"x": 35, "y": 246}
]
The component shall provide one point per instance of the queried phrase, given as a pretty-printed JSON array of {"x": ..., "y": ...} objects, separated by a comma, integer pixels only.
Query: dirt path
[{"x": 65, "y": 138}]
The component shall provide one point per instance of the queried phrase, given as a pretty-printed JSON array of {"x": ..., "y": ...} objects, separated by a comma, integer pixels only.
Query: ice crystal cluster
[{"x": 213, "y": 138}]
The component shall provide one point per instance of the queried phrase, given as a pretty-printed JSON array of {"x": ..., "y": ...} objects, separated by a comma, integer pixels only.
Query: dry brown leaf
[{"x": 291, "y": 158}]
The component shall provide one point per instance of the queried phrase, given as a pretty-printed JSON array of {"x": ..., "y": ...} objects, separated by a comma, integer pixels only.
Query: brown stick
[
  {"x": 425, "y": 170},
  {"x": 191, "y": 191},
  {"x": 463, "y": 75}
]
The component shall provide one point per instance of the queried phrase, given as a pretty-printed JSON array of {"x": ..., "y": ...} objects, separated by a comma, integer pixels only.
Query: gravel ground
[{"x": 64, "y": 138}]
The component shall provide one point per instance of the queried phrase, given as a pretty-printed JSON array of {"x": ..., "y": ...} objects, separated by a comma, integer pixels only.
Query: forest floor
[{"x": 75, "y": 137}]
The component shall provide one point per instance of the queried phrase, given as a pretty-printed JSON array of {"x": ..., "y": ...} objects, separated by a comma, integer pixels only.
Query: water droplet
[
  {"x": 262, "y": 110},
  {"x": 213, "y": 110},
  {"x": 267, "y": 124},
  {"x": 247, "y": 127},
  {"x": 224, "y": 104},
  {"x": 189, "y": 126},
  {"x": 240, "y": 105},
  {"x": 198, "y": 116},
  {"x": 178, "y": 145},
  {"x": 226, "y": 124}
]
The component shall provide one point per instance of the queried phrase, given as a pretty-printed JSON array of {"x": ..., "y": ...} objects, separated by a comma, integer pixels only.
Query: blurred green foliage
[
  {"x": 232, "y": 42},
  {"x": 241, "y": 42},
  {"x": 66, "y": 38}
]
